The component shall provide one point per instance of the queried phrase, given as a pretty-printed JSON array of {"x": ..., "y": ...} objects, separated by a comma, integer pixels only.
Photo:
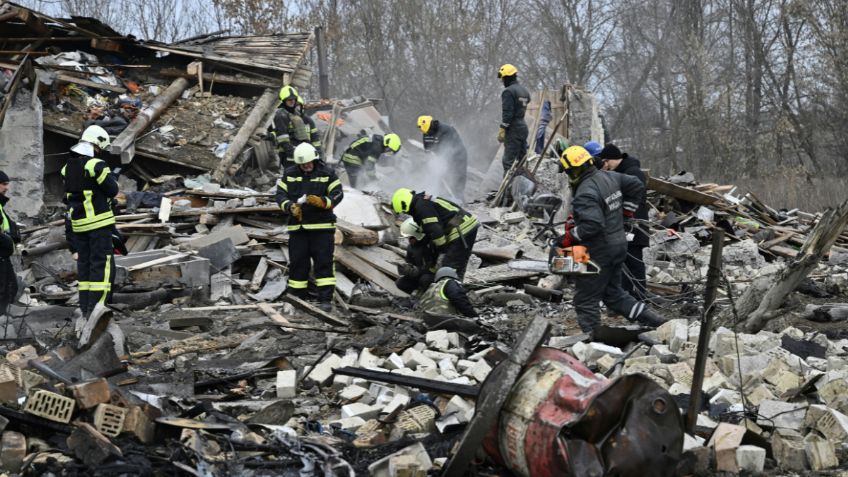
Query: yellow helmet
[
  {"x": 402, "y": 200},
  {"x": 287, "y": 92},
  {"x": 392, "y": 141},
  {"x": 411, "y": 229},
  {"x": 574, "y": 156},
  {"x": 424, "y": 123},
  {"x": 304, "y": 153},
  {"x": 507, "y": 70}
]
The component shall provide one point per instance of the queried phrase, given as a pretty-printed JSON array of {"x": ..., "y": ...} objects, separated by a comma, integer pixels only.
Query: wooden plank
[
  {"x": 275, "y": 316},
  {"x": 158, "y": 261},
  {"x": 496, "y": 273},
  {"x": 374, "y": 260},
  {"x": 259, "y": 274},
  {"x": 321, "y": 314},
  {"x": 374, "y": 311},
  {"x": 90, "y": 84},
  {"x": 366, "y": 271},
  {"x": 355, "y": 234},
  {"x": 679, "y": 192}
]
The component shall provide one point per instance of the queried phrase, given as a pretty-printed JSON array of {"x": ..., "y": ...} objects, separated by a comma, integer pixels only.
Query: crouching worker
[
  {"x": 446, "y": 296},
  {"x": 418, "y": 271}
]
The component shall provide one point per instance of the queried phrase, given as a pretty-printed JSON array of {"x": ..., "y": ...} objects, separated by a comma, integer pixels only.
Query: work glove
[
  {"x": 628, "y": 214},
  {"x": 407, "y": 270},
  {"x": 565, "y": 240},
  {"x": 501, "y": 134},
  {"x": 316, "y": 201},
  {"x": 296, "y": 212},
  {"x": 570, "y": 223}
]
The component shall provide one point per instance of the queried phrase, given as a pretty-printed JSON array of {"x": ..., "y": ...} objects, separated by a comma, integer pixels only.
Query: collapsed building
[{"x": 206, "y": 366}]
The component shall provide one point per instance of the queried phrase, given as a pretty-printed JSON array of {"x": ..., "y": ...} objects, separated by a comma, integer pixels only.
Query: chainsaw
[{"x": 570, "y": 261}]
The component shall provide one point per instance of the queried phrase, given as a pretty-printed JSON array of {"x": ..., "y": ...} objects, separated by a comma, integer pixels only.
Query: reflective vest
[
  {"x": 435, "y": 301},
  {"x": 452, "y": 220},
  {"x": 4, "y": 225},
  {"x": 364, "y": 149},
  {"x": 324, "y": 183},
  {"x": 88, "y": 207}
]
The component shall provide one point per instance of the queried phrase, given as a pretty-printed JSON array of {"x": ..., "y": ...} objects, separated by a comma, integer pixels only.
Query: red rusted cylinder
[{"x": 561, "y": 419}]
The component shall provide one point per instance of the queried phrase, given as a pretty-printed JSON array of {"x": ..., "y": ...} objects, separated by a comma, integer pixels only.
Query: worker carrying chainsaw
[
  {"x": 418, "y": 271},
  {"x": 363, "y": 153},
  {"x": 448, "y": 226},
  {"x": 602, "y": 201},
  {"x": 447, "y": 296}
]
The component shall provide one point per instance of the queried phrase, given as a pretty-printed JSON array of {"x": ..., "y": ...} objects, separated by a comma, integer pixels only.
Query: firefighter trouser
[
  {"x": 458, "y": 252},
  {"x": 8, "y": 284},
  {"x": 312, "y": 249},
  {"x": 95, "y": 267},
  {"x": 353, "y": 173},
  {"x": 410, "y": 284},
  {"x": 515, "y": 144},
  {"x": 633, "y": 281},
  {"x": 606, "y": 287}
]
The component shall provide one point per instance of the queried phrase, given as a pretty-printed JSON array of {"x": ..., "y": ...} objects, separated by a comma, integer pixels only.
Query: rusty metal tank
[{"x": 560, "y": 419}]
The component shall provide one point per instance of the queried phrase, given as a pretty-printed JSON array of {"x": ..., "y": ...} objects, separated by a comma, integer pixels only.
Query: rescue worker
[
  {"x": 9, "y": 236},
  {"x": 451, "y": 229},
  {"x": 601, "y": 202},
  {"x": 308, "y": 191},
  {"x": 447, "y": 296},
  {"x": 444, "y": 141},
  {"x": 513, "y": 130},
  {"x": 364, "y": 152},
  {"x": 90, "y": 188},
  {"x": 418, "y": 271},
  {"x": 634, "y": 280},
  {"x": 292, "y": 127}
]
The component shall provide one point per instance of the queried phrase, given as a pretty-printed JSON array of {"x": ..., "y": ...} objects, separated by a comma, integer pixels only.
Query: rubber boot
[{"x": 650, "y": 318}]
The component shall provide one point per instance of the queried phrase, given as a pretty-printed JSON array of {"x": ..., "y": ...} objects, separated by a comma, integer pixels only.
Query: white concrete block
[
  {"x": 349, "y": 423},
  {"x": 463, "y": 364},
  {"x": 750, "y": 458},
  {"x": 368, "y": 360},
  {"x": 286, "y": 384},
  {"x": 413, "y": 358},
  {"x": 352, "y": 392},
  {"x": 479, "y": 371},
  {"x": 464, "y": 407},
  {"x": 437, "y": 339},
  {"x": 323, "y": 372},
  {"x": 595, "y": 351},
  {"x": 360, "y": 410},
  {"x": 781, "y": 414},
  {"x": 394, "y": 362},
  {"x": 397, "y": 402},
  {"x": 579, "y": 351}
]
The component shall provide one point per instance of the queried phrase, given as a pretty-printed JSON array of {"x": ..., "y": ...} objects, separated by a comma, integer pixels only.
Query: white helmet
[
  {"x": 97, "y": 136},
  {"x": 305, "y": 153},
  {"x": 411, "y": 229}
]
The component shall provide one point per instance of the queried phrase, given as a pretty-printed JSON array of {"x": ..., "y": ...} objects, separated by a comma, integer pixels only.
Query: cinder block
[
  {"x": 394, "y": 362},
  {"x": 13, "y": 449},
  {"x": 820, "y": 452},
  {"x": 437, "y": 339},
  {"x": 834, "y": 425},
  {"x": 663, "y": 353},
  {"x": 462, "y": 406},
  {"x": 286, "y": 383},
  {"x": 479, "y": 371},
  {"x": 594, "y": 351},
  {"x": 349, "y": 423},
  {"x": 750, "y": 458},
  {"x": 109, "y": 420},
  {"x": 397, "y": 402},
  {"x": 352, "y": 392},
  {"x": 725, "y": 440},
  {"x": 417, "y": 419},
  {"x": 413, "y": 358},
  {"x": 368, "y": 359},
  {"x": 351, "y": 358},
  {"x": 91, "y": 393},
  {"x": 8, "y": 385},
  {"x": 137, "y": 423},
  {"x": 788, "y": 449},
  {"x": 20, "y": 357},
  {"x": 52, "y": 406},
  {"x": 781, "y": 414}
]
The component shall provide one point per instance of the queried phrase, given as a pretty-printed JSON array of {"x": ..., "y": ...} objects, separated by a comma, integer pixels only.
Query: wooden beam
[
  {"x": 223, "y": 78},
  {"x": 366, "y": 271},
  {"x": 90, "y": 84},
  {"x": 679, "y": 192},
  {"x": 123, "y": 143},
  {"x": 266, "y": 103}
]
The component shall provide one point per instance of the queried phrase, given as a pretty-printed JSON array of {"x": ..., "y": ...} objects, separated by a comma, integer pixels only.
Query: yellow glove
[
  {"x": 316, "y": 201},
  {"x": 296, "y": 212},
  {"x": 501, "y": 134}
]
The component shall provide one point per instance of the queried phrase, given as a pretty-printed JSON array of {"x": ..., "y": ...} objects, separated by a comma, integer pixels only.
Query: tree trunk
[{"x": 266, "y": 103}]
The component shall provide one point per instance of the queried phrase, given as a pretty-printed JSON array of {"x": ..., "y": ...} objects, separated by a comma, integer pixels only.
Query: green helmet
[
  {"x": 411, "y": 229},
  {"x": 305, "y": 153},
  {"x": 287, "y": 92},
  {"x": 402, "y": 200},
  {"x": 392, "y": 141}
]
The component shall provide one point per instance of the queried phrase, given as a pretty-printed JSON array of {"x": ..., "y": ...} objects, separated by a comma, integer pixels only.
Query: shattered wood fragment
[
  {"x": 680, "y": 192},
  {"x": 319, "y": 313},
  {"x": 90, "y": 446},
  {"x": 366, "y": 271}
]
